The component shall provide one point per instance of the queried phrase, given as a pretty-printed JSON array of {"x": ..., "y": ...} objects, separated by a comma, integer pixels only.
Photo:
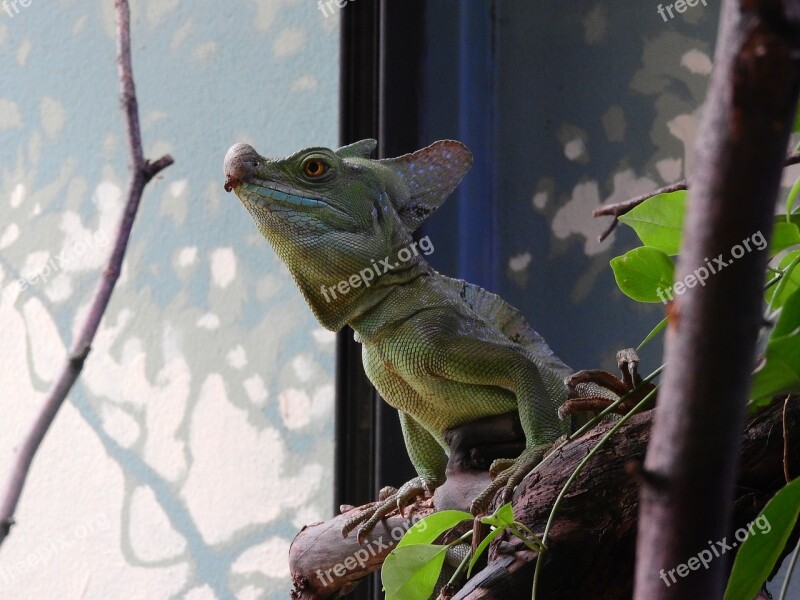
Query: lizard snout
[{"x": 241, "y": 162}]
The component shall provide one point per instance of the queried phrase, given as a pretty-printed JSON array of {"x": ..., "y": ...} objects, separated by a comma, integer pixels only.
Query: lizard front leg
[
  {"x": 430, "y": 462},
  {"x": 537, "y": 415},
  {"x": 506, "y": 368}
]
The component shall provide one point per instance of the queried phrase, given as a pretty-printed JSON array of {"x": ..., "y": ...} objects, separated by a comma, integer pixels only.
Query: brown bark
[{"x": 591, "y": 548}]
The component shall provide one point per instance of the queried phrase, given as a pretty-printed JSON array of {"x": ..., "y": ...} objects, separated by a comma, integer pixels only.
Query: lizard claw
[
  {"x": 396, "y": 500},
  {"x": 593, "y": 391},
  {"x": 510, "y": 476}
]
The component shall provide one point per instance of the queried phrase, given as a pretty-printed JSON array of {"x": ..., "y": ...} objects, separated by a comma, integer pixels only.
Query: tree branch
[
  {"x": 594, "y": 531},
  {"x": 620, "y": 208},
  {"x": 141, "y": 172},
  {"x": 711, "y": 339}
]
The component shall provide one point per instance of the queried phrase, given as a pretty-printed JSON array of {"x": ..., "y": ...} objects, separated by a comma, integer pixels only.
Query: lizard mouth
[
  {"x": 231, "y": 182},
  {"x": 242, "y": 165},
  {"x": 267, "y": 193},
  {"x": 244, "y": 175}
]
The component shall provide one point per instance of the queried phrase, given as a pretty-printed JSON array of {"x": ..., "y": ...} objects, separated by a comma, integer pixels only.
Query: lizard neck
[{"x": 396, "y": 305}]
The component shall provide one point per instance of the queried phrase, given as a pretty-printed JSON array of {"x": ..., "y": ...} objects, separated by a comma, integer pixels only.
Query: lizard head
[{"x": 332, "y": 214}]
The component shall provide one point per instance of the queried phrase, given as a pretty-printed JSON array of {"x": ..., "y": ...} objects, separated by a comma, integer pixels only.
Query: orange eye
[{"x": 314, "y": 168}]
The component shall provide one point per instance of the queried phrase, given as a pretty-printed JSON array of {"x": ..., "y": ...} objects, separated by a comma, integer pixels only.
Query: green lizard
[{"x": 440, "y": 350}]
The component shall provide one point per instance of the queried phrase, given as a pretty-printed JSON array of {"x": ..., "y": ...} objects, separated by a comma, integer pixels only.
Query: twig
[
  {"x": 142, "y": 171},
  {"x": 621, "y": 208}
]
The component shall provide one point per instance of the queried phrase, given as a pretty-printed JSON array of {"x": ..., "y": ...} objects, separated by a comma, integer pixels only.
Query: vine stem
[
  {"x": 785, "y": 586},
  {"x": 142, "y": 171},
  {"x": 574, "y": 476}
]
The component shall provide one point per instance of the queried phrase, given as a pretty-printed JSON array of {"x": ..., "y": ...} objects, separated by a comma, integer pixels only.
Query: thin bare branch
[
  {"x": 141, "y": 172},
  {"x": 621, "y": 208}
]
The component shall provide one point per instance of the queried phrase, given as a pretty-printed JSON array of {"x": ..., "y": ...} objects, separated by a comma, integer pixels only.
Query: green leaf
[
  {"x": 655, "y": 331},
  {"x": 760, "y": 551},
  {"x": 792, "y": 196},
  {"x": 644, "y": 272},
  {"x": 778, "y": 294},
  {"x": 785, "y": 235},
  {"x": 411, "y": 572},
  {"x": 502, "y": 518},
  {"x": 780, "y": 374},
  {"x": 426, "y": 530},
  {"x": 658, "y": 221},
  {"x": 789, "y": 319}
]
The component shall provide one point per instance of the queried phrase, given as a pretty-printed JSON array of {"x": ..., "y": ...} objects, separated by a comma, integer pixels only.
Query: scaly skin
[{"x": 441, "y": 351}]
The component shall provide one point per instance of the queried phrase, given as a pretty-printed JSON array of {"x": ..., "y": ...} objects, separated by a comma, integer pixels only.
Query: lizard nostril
[{"x": 230, "y": 183}]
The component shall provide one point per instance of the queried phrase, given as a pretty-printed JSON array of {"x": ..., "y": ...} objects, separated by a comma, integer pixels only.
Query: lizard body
[{"x": 440, "y": 350}]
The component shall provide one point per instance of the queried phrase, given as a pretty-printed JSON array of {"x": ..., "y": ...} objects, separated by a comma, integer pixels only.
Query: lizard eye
[{"x": 314, "y": 168}]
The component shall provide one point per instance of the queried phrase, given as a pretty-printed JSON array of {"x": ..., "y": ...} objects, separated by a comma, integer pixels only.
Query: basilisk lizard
[{"x": 440, "y": 350}]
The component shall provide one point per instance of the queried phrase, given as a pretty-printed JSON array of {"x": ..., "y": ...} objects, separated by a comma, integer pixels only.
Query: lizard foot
[
  {"x": 509, "y": 475},
  {"x": 389, "y": 500},
  {"x": 595, "y": 390},
  {"x": 500, "y": 465}
]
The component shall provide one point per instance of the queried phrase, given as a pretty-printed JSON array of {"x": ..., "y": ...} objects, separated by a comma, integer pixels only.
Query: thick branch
[
  {"x": 687, "y": 497},
  {"x": 592, "y": 542},
  {"x": 141, "y": 172}
]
